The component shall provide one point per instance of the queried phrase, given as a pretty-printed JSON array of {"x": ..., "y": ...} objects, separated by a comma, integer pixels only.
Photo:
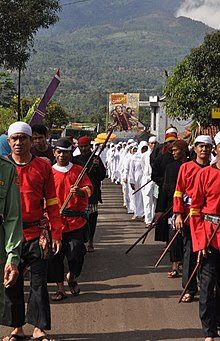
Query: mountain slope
[{"x": 98, "y": 53}]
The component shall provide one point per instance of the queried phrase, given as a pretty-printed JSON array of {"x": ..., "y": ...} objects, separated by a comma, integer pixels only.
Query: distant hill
[{"x": 106, "y": 46}]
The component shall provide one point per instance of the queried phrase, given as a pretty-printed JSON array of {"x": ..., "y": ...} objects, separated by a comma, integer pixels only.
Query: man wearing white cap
[
  {"x": 36, "y": 187},
  {"x": 181, "y": 207},
  {"x": 205, "y": 219}
]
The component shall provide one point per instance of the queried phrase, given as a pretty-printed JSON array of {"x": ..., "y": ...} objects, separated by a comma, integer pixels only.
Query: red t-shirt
[
  {"x": 205, "y": 200},
  {"x": 37, "y": 185},
  {"x": 64, "y": 178}
]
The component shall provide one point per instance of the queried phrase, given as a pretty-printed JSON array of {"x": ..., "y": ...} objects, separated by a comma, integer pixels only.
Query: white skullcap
[
  {"x": 19, "y": 127},
  {"x": 203, "y": 139},
  {"x": 171, "y": 130},
  {"x": 152, "y": 139},
  {"x": 130, "y": 141},
  {"x": 217, "y": 138}
]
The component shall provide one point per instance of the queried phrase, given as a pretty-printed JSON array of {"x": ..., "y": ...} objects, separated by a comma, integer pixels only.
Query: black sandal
[
  {"x": 59, "y": 296},
  {"x": 173, "y": 274},
  {"x": 72, "y": 285},
  {"x": 43, "y": 337},
  {"x": 17, "y": 337}
]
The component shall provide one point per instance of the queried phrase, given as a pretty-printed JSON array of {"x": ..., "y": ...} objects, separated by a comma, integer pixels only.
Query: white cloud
[{"x": 207, "y": 11}]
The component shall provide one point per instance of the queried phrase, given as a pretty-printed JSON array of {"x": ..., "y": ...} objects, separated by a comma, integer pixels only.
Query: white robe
[
  {"x": 148, "y": 191},
  {"x": 127, "y": 188},
  {"x": 135, "y": 177}
]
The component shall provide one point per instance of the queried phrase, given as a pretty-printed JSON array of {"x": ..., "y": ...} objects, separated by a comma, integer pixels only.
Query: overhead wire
[{"x": 74, "y": 2}]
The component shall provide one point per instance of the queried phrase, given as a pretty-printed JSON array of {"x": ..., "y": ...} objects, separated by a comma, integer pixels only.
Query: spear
[
  {"x": 199, "y": 259},
  {"x": 144, "y": 236},
  {"x": 103, "y": 146},
  {"x": 82, "y": 173},
  {"x": 169, "y": 245},
  {"x": 163, "y": 215},
  {"x": 137, "y": 190}
]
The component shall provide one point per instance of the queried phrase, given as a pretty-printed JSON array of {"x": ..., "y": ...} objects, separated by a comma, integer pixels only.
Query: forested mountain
[{"x": 106, "y": 46}]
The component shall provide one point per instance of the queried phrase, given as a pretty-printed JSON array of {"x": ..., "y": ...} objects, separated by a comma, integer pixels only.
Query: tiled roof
[{"x": 211, "y": 131}]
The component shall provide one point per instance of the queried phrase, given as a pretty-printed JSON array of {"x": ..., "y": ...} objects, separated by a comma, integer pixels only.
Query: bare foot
[
  {"x": 40, "y": 334},
  {"x": 17, "y": 332},
  {"x": 209, "y": 339}
]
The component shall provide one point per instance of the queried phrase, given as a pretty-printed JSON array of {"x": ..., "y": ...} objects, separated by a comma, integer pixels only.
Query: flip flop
[
  {"x": 59, "y": 296},
  {"x": 187, "y": 298},
  {"x": 173, "y": 274},
  {"x": 43, "y": 337},
  {"x": 90, "y": 248},
  {"x": 72, "y": 285},
  {"x": 16, "y": 337}
]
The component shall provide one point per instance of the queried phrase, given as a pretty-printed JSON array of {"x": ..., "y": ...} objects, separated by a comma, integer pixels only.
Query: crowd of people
[
  {"x": 49, "y": 210},
  {"x": 176, "y": 187}
]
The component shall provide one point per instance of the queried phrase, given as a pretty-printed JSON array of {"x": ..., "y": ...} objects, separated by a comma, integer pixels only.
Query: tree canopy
[
  {"x": 194, "y": 87},
  {"x": 20, "y": 20},
  {"x": 7, "y": 89}
]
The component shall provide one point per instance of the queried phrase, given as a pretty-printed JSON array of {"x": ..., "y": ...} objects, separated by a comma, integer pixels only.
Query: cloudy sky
[{"x": 207, "y": 11}]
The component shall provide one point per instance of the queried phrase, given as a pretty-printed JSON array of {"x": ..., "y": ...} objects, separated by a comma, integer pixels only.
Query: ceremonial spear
[
  {"x": 151, "y": 227},
  {"x": 169, "y": 245},
  {"x": 83, "y": 171},
  {"x": 199, "y": 259}
]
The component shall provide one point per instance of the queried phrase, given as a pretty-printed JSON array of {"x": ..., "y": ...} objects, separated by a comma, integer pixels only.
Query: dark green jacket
[{"x": 10, "y": 214}]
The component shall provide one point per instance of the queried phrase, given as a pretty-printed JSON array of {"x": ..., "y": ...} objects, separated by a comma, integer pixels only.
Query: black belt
[
  {"x": 214, "y": 219},
  {"x": 71, "y": 213},
  {"x": 27, "y": 225}
]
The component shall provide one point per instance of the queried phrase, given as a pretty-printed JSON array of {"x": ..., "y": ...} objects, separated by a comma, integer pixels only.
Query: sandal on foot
[
  {"x": 90, "y": 248},
  {"x": 59, "y": 296},
  {"x": 43, "y": 337},
  {"x": 187, "y": 298},
  {"x": 72, "y": 286},
  {"x": 17, "y": 337},
  {"x": 173, "y": 274}
]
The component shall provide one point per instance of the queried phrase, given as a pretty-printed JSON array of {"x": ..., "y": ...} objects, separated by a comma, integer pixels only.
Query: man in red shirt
[
  {"x": 36, "y": 187},
  {"x": 74, "y": 219},
  {"x": 205, "y": 219},
  {"x": 181, "y": 205}
]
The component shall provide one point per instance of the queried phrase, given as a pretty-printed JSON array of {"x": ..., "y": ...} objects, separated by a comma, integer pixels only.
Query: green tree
[
  {"x": 55, "y": 115},
  {"x": 194, "y": 87},
  {"x": 7, "y": 89},
  {"x": 20, "y": 20},
  {"x": 7, "y": 116}
]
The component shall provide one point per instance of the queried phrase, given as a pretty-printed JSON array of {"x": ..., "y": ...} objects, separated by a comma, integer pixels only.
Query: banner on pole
[{"x": 40, "y": 112}]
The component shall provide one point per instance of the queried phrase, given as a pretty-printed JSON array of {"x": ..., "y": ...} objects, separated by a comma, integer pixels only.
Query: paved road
[{"x": 123, "y": 297}]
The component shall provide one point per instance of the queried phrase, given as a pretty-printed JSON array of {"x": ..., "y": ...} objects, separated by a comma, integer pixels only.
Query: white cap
[
  {"x": 152, "y": 139},
  {"x": 19, "y": 127},
  {"x": 217, "y": 138},
  {"x": 171, "y": 130},
  {"x": 203, "y": 139}
]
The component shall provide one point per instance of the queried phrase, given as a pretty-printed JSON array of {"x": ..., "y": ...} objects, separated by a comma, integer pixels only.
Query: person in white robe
[
  {"x": 135, "y": 180},
  {"x": 127, "y": 188},
  {"x": 149, "y": 190}
]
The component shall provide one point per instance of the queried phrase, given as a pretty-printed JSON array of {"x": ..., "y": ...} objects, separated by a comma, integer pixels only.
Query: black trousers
[
  {"x": 92, "y": 224},
  {"x": 209, "y": 303},
  {"x": 176, "y": 249},
  {"x": 189, "y": 261},
  {"x": 38, "y": 308},
  {"x": 74, "y": 250}
]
